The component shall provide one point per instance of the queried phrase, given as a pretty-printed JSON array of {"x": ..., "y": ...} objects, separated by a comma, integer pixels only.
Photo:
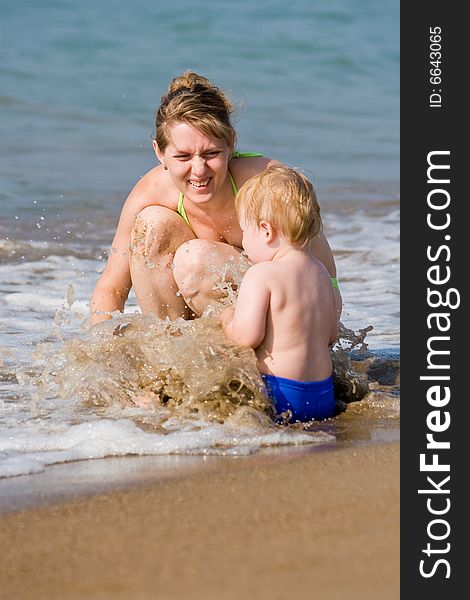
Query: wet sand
[{"x": 320, "y": 525}]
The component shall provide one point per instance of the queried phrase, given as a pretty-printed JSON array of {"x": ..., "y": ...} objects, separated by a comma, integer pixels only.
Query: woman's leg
[
  {"x": 200, "y": 267},
  {"x": 156, "y": 235}
]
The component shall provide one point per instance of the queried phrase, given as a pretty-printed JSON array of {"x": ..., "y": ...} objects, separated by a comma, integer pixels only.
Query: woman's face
[{"x": 197, "y": 163}]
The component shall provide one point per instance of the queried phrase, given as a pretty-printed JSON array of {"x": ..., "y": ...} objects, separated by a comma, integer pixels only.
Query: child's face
[{"x": 255, "y": 242}]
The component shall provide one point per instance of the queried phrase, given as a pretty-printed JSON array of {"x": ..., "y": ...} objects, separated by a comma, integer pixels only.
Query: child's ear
[{"x": 267, "y": 230}]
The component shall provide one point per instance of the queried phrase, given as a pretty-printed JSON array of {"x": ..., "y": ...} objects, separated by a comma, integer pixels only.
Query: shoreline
[
  {"x": 371, "y": 421},
  {"x": 79, "y": 480},
  {"x": 321, "y": 521}
]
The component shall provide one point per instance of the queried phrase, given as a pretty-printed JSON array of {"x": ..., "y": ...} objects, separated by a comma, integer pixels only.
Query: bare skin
[
  {"x": 169, "y": 264},
  {"x": 285, "y": 309}
]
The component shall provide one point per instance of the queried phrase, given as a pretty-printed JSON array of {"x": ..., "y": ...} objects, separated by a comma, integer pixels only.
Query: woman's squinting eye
[{"x": 207, "y": 155}]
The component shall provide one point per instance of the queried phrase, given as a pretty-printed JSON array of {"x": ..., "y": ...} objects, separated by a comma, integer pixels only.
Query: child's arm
[
  {"x": 246, "y": 323},
  {"x": 227, "y": 316}
]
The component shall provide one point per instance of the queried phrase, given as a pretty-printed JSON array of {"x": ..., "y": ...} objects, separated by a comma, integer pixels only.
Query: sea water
[{"x": 316, "y": 86}]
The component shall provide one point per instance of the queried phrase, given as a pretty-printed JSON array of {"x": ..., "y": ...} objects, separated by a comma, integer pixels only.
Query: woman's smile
[{"x": 199, "y": 183}]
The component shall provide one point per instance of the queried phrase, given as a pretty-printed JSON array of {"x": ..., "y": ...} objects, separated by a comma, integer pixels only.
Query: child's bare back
[{"x": 301, "y": 319}]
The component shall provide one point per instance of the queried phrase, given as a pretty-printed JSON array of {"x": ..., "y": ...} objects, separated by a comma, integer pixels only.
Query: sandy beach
[{"x": 320, "y": 525}]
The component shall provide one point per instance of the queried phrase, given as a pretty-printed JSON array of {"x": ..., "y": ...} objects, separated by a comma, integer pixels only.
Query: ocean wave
[{"x": 17, "y": 250}]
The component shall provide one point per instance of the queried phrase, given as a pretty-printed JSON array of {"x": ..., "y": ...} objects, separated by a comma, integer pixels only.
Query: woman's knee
[
  {"x": 190, "y": 260},
  {"x": 198, "y": 265},
  {"x": 158, "y": 230}
]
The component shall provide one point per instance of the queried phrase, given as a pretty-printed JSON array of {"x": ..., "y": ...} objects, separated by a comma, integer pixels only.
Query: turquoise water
[{"x": 317, "y": 84}]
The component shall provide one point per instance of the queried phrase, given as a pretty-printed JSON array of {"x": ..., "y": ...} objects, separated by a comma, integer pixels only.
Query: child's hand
[{"x": 227, "y": 316}]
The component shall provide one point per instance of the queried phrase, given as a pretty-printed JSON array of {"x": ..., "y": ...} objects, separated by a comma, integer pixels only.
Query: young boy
[{"x": 286, "y": 307}]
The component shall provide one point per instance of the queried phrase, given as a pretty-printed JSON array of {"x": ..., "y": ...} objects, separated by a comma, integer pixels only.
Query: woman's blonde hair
[
  {"x": 285, "y": 198},
  {"x": 193, "y": 99}
]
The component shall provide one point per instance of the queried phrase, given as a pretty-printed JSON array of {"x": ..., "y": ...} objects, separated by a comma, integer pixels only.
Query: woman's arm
[
  {"x": 321, "y": 250},
  {"x": 113, "y": 286}
]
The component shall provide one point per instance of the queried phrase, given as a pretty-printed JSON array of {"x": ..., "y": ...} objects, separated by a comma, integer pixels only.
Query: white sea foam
[
  {"x": 25, "y": 453},
  {"x": 368, "y": 262}
]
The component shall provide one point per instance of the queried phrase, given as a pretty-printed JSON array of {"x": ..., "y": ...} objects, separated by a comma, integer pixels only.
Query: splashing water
[
  {"x": 178, "y": 368},
  {"x": 142, "y": 385}
]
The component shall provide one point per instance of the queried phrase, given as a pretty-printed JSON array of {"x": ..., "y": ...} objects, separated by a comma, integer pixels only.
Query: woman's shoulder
[
  {"x": 153, "y": 188},
  {"x": 243, "y": 167}
]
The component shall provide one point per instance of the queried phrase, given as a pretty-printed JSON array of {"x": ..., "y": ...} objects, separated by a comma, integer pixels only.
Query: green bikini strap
[
  {"x": 182, "y": 211},
  {"x": 234, "y": 186},
  {"x": 237, "y": 154}
]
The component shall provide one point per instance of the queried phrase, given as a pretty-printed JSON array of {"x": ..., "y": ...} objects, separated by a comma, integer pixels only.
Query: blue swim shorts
[{"x": 306, "y": 400}]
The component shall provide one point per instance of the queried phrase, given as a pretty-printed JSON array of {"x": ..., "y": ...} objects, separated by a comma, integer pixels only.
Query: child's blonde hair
[{"x": 285, "y": 198}]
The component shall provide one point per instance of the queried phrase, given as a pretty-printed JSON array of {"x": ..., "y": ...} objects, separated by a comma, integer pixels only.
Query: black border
[{"x": 425, "y": 129}]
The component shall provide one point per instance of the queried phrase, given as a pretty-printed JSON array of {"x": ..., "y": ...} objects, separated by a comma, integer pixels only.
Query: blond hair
[
  {"x": 286, "y": 199},
  {"x": 193, "y": 99}
]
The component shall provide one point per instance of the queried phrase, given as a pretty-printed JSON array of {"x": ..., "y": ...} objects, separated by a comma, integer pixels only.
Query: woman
[{"x": 178, "y": 226}]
